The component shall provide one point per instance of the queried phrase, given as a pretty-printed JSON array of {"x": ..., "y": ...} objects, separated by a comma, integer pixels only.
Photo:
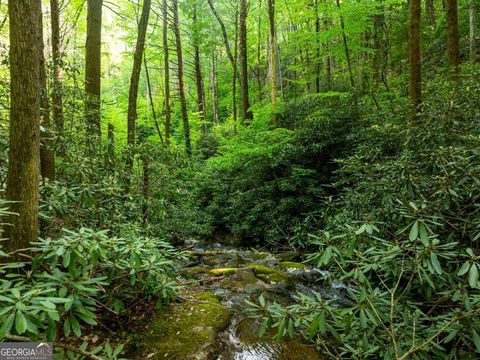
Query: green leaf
[
  {"x": 476, "y": 340},
  {"x": 414, "y": 232},
  {"x": 20, "y": 323},
  {"x": 75, "y": 326},
  {"x": 473, "y": 276},
  {"x": 423, "y": 234},
  {"x": 66, "y": 259},
  {"x": 66, "y": 327},
  {"x": 435, "y": 263},
  {"x": 464, "y": 269},
  {"x": 263, "y": 328},
  {"x": 7, "y": 325},
  {"x": 118, "y": 350}
]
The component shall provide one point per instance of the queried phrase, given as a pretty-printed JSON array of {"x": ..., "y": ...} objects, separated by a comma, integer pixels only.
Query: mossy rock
[
  {"x": 193, "y": 271},
  {"x": 223, "y": 271},
  {"x": 291, "y": 265},
  {"x": 261, "y": 269},
  {"x": 268, "y": 274},
  {"x": 187, "y": 330}
]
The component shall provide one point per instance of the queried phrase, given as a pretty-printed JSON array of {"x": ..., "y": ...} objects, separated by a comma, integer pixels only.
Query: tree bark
[
  {"x": 181, "y": 84},
  {"x": 259, "y": 48},
  {"x": 111, "y": 148},
  {"x": 430, "y": 11},
  {"x": 246, "y": 114},
  {"x": 47, "y": 154},
  {"x": 57, "y": 95},
  {"x": 198, "y": 72},
  {"x": 166, "y": 73},
  {"x": 453, "y": 38},
  {"x": 24, "y": 147},
  {"x": 317, "y": 32},
  {"x": 134, "y": 81},
  {"x": 215, "y": 85},
  {"x": 414, "y": 32},
  {"x": 235, "y": 72},
  {"x": 272, "y": 58},
  {"x": 472, "y": 12},
  {"x": 93, "y": 70}
]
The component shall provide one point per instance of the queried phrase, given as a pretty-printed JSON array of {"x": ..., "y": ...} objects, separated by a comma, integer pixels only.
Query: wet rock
[
  {"x": 194, "y": 271},
  {"x": 223, "y": 271},
  {"x": 188, "y": 330},
  {"x": 286, "y": 265}
]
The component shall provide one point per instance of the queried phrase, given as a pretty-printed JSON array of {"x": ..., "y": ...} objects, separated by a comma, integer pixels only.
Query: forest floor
[{"x": 212, "y": 319}]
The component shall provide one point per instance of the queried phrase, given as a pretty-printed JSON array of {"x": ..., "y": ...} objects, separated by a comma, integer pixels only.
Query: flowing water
[{"x": 234, "y": 276}]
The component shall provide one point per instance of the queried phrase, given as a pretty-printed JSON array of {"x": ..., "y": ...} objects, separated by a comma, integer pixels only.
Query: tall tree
[
  {"x": 453, "y": 38},
  {"x": 214, "y": 81},
  {"x": 93, "y": 68},
  {"x": 272, "y": 57},
  {"x": 198, "y": 69},
  {"x": 232, "y": 57},
  {"x": 57, "y": 97},
  {"x": 472, "y": 14},
  {"x": 134, "y": 81},
  {"x": 181, "y": 83},
  {"x": 24, "y": 147},
  {"x": 47, "y": 155},
  {"x": 246, "y": 114},
  {"x": 430, "y": 11},
  {"x": 166, "y": 73},
  {"x": 415, "y": 88}
]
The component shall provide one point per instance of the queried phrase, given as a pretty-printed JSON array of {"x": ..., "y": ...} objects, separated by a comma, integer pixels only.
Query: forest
[{"x": 240, "y": 179}]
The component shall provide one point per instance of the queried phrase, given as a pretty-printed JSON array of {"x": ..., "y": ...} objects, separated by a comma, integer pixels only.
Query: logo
[{"x": 26, "y": 351}]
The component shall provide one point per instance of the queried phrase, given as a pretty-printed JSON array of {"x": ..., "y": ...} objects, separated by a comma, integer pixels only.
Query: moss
[
  {"x": 261, "y": 269},
  {"x": 223, "y": 271},
  {"x": 185, "y": 329},
  {"x": 192, "y": 271},
  {"x": 292, "y": 265},
  {"x": 267, "y": 274}
]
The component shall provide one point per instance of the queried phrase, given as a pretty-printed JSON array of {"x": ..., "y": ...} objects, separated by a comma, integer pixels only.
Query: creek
[{"x": 212, "y": 321}]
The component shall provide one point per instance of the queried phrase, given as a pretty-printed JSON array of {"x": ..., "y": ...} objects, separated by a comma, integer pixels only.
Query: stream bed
[{"x": 211, "y": 321}]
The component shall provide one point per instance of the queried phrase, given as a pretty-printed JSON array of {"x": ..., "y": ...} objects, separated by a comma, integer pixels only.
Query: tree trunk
[
  {"x": 57, "y": 95},
  {"x": 259, "y": 48},
  {"x": 328, "y": 60},
  {"x": 430, "y": 11},
  {"x": 245, "y": 108},
  {"x": 272, "y": 58},
  {"x": 235, "y": 72},
  {"x": 231, "y": 57},
  {"x": 317, "y": 33},
  {"x": 198, "y": 72},
  {"x": 47, "y": 155},
  {"x": 414, "y": 32},
  {"x": 215, "y": 85},
  {"x": 347, "y": 56},
  {"x": 111, "y": 148},
  {"x": 472, "y": 12},
  {"x": 134, "y": 81},
  {"x": 145, "y": 190},
  {"x": 166, "y": 74},
  {"x": 453, "y": 38},
  {"x": 24, "y": 147},
  {"x": 181, "y": 84},
  {"x": 93, "y": 71}
]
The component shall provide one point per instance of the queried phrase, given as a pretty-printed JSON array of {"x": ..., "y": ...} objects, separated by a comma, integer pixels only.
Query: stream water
[{"x": 233, "y": 276}]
